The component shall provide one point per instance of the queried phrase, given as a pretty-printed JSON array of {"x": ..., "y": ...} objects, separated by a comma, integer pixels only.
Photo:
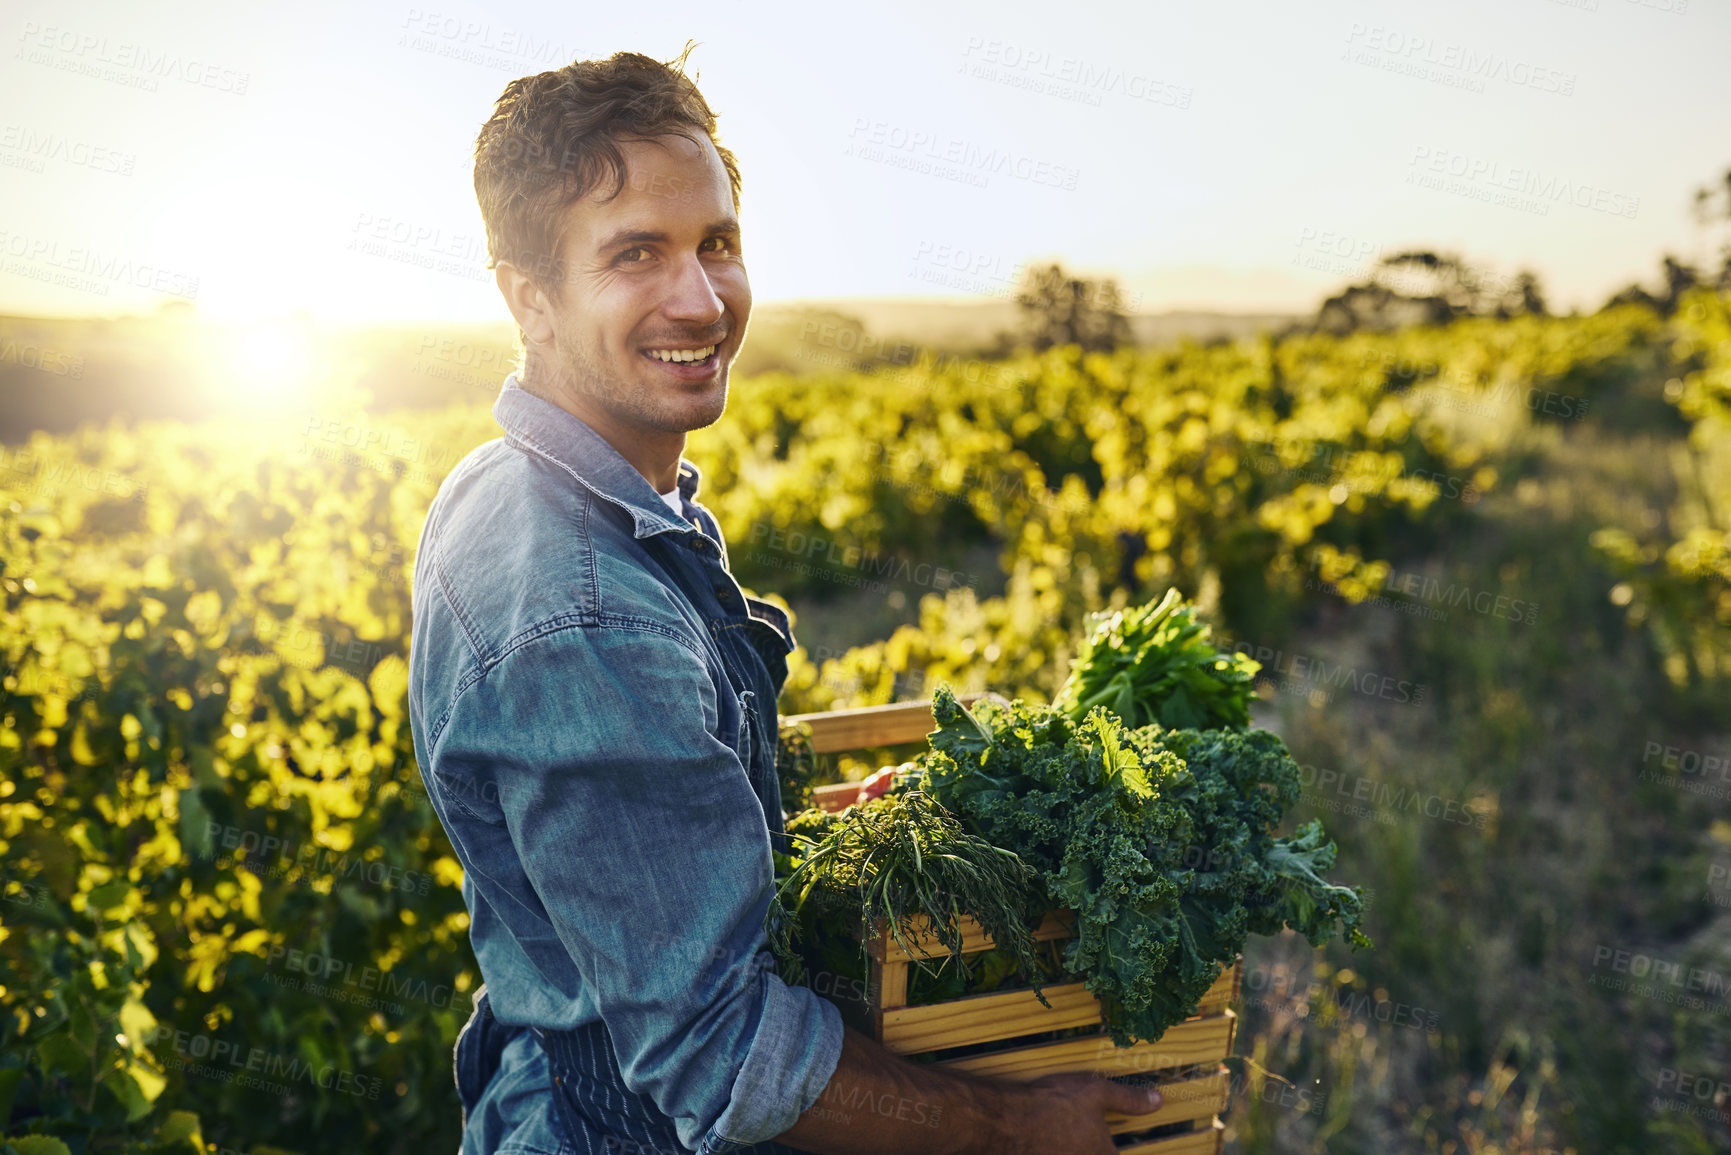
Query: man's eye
[
  {"x": 722, "y": 244},
  {"x": 628, "y": 252}
]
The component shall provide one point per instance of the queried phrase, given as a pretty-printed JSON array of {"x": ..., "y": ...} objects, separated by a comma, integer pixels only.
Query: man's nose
[{"x": 692, "y": 296}]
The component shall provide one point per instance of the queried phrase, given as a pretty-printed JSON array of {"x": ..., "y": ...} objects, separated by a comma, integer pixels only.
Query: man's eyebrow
[{"x": 728, "y": 226}]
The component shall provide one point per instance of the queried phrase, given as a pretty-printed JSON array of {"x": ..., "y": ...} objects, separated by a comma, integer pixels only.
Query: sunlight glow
[{"x": 269, "y": 364}]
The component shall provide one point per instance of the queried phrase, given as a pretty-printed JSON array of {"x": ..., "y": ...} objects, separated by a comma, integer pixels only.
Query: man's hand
[
  {"x": 1064, "y": 1114},
  {"x": 877, "y": 1101}
]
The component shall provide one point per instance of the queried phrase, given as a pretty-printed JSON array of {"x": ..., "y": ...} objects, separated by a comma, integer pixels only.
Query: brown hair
[{"x": 552, "y": 138}]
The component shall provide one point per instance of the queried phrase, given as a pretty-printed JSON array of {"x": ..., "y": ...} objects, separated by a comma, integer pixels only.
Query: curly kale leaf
[
  {"x": 1301, "y": 898},
  {"x": 1160, "y": 840}
]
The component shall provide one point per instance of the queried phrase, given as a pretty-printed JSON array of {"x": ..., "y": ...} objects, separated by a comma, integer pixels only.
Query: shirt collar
[{"x": 541, "y": 427}]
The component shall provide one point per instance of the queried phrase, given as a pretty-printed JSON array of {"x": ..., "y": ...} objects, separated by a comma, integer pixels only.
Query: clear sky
[{"x": 263, "y": 158}]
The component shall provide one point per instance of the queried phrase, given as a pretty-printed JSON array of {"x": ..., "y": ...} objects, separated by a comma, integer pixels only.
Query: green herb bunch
[
  {"x": 1154, "y": 663},
  {"x": 1161, "y": 841},
  {"x": 893, "y": 858}
]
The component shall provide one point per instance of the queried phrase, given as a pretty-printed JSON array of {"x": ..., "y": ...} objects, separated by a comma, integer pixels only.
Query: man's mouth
[{"x": 693, "y": 357}]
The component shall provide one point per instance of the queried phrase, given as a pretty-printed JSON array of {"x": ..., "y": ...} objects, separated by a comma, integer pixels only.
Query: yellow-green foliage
[{"x": 203, "y": 633}]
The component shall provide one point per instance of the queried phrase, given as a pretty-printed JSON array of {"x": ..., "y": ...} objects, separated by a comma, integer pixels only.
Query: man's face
[{"x": 652, "y": 277}]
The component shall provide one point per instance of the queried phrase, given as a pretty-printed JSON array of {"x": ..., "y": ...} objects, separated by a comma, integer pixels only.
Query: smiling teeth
[{"x": 682, "y": 354}]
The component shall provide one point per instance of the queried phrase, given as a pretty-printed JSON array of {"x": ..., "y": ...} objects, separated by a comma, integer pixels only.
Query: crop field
[{"x": 1485, "y": 569}]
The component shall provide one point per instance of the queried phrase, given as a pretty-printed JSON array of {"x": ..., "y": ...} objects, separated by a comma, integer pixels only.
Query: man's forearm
[{"x": 878, "y": 1101}]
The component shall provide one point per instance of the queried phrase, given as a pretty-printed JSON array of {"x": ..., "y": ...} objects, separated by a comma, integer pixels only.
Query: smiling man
[{"x": 592, "y": 695}]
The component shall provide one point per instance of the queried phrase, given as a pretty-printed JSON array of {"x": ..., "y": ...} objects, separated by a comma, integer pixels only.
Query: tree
[
  {"x": 1058, "y": 309},
  {"x": 1420, "y": 287},
  {"x": 1711, "y": 208},
  {"x": 1679, "y": 279}
]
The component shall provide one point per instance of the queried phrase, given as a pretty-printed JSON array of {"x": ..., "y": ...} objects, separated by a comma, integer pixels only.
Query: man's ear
[{"x": 527, "y": 302}]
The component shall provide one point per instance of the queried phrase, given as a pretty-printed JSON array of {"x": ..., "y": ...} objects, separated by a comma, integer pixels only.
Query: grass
[{"x": 1497, "y": 930}]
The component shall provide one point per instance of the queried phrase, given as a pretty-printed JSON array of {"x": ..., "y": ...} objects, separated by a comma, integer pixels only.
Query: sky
[{"x": 260, "y": 160}]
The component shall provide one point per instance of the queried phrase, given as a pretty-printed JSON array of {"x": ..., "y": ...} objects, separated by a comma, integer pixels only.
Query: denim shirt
[{"x": 592, "y": 701}]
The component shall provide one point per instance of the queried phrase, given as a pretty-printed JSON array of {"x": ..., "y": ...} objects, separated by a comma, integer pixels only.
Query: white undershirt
[{"x": 674, "y": 502}]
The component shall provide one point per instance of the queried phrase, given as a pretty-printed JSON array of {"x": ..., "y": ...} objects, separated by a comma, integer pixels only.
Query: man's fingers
[{"x": 1132, "y": 1100}]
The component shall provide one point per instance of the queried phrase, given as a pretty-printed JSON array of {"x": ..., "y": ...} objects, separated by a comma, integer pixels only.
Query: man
[{"x": 592, "y": 695}]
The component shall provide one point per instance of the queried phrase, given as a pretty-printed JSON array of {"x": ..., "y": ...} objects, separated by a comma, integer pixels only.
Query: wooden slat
[
  {"x": 888, "y": 986},
  {"x": 1185, "y": 1044},
  {"x": 1004, "y": 1015},
  {"x": 1056, "y": 925},
  {"x": 987, "y": 1018},
  {"x": 1224, "y": 992},
  {"x": 1184, "y": 1101},
  {"x": 865, "y": 727},
  {"x": 1202, "y": 1141}
]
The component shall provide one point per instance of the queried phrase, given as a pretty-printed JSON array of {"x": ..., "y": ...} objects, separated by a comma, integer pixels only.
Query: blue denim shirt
[{"x": 592, "y": 700}]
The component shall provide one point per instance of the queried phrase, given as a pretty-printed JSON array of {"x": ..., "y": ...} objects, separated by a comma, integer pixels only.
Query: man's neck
[{"x": 653, "y": 453}]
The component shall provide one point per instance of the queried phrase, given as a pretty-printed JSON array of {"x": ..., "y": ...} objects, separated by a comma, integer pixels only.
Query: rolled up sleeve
[{"x": 640, "y": 834}]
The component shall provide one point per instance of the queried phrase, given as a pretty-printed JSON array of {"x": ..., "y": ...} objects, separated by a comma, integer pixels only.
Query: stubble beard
[{"x": 575, "y": 375}]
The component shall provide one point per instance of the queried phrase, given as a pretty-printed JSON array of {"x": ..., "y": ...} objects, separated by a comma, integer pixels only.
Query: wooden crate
[{"x": 1186, "y": 1061}]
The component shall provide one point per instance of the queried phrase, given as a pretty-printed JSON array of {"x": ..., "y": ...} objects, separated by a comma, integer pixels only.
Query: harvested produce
[
  {"x": 1160, "y": 840},
  {"x": 1139, "y": 800},
  {"x": 893, "y": 858},
  {"x": 1154, "y": 663}
]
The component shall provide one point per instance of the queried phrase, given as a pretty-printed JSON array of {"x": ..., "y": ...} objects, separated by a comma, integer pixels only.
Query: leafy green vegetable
[
  {"x": 1160, "y": 840},
  {"x": 893, "y": 858},
  {"x": 1154, "y": 663}
]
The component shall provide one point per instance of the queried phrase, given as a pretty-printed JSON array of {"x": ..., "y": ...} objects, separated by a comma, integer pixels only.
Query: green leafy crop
[
  {"x": 1154, "y": 663},
  {"x": 893, "y": 858},
  {"x": 1161, "y": 841}
]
